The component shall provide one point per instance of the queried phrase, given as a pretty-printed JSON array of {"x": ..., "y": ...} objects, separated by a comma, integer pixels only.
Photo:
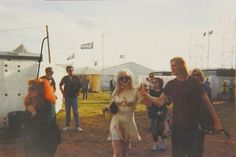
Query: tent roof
[
  {"x": 86, "y": 71},
  {"x": 20, "y": 49},
  {"x": 20, "y": 53},
  {"x": 135, "y": 68}
]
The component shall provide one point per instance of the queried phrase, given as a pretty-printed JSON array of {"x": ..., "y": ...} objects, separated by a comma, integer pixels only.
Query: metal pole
[
  {"x": 208, "y": 48},
  {"x": 41, "y": 56},
  {"x": 49, "y": 54}
]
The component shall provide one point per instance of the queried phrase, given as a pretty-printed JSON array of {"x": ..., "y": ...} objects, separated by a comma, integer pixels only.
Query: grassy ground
[
  {"x": 94, "y": 104},
  {"x": 92, "y": 141}
]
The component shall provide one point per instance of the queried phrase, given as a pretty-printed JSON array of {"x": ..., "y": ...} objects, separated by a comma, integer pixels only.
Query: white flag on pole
[
  {"x": 87, "y": 46},
  {"x": 71, "y": 57},
  {"x": 122, "y": 56}
]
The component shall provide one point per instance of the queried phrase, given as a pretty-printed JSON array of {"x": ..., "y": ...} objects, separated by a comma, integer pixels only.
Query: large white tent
[
  {"x": 93, "y": 75},
  {"x": 138, "y": 71}
]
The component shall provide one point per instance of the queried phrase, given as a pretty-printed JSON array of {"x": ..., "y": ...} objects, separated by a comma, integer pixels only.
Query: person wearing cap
[
  {"x": 41, "y": 132},
  {"x": 48, "y": 76},
  {"x": 70, "y": 88}
]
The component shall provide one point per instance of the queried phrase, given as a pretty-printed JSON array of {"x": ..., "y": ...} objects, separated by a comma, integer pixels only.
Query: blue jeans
[
  {"x": 85, "y": 93},
  {"x": 72, "y": 102},
  {"x": 154, "y": 129},
  {"x": 157, "y": 127}
]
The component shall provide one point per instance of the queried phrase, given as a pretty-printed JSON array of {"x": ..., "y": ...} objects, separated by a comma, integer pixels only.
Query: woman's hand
[
  {"x": 142, "y": 90},
  {"x": 31, "y": 109},
  {"x": 218, "y": 126}
]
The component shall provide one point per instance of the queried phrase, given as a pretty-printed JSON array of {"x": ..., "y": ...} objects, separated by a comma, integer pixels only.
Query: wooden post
[{"x": 49, "y": 54}]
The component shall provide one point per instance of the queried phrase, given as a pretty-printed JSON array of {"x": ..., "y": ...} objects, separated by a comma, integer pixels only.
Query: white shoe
[
  {"x": 66, "y": 128},
  {"x": 163, "y": 146},
  {"x": 154, "y": 146},
  {"x": 79, "y": 129}
]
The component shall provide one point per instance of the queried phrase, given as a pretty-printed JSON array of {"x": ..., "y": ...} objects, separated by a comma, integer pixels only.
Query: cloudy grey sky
[{"x": 148, "y": 32}]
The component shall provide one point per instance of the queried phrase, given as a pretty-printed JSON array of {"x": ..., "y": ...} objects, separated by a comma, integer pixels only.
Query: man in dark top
[
  {"x": 112, "y": 85},
  {"x": 85, "y": 88},
  {"x": 71, "y": 88},
  {"x": 186, "y": 94},
  {"x": 48, "y": 76}
]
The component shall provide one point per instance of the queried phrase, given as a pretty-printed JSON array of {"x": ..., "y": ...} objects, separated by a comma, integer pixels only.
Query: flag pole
[{"x": 49, "y": 53}]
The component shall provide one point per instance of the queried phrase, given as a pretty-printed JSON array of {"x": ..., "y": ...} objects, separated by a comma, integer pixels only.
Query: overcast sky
[{"x": 148, "y": 32}]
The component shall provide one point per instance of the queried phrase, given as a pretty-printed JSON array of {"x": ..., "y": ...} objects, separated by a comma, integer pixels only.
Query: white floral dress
[{"x": 123, "y": 126}]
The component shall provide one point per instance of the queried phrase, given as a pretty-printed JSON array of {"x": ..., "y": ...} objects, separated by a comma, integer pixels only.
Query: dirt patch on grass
[{"x": 92, "y": 141}]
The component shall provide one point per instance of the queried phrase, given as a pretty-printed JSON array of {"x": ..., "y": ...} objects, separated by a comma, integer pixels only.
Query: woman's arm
[{"x": 147, "y": 99}]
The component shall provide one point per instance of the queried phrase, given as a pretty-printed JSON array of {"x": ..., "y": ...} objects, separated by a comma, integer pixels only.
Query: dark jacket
[{"x": 41, "y": 135}]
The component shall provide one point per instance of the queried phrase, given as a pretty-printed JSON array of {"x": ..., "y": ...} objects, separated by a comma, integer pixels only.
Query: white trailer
[{"x": 15, "y": 71}]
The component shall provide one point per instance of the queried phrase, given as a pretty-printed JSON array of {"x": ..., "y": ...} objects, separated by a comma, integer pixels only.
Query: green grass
[{"x": 94, "y": 105}]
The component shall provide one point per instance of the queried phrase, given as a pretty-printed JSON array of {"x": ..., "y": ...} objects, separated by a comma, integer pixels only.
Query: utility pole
[
  {"x": 49, "y": 54},
  {"x": 208, "y": 45}
]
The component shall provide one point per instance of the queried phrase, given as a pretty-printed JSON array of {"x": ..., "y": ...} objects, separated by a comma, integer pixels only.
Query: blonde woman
[
  {"x": 198, "y": 74},
  {"x": 123, "y": 129}
]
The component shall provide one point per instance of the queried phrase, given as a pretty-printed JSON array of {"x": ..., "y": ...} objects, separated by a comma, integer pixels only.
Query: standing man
[
  {"x": 147, "y": 82},
  {"x": 112, "y": 85},
  {"x": 187, "y": 94},
  {"x": 48, "y": 76},
  {"x": 150, "y": 78},
  {"x": 70, "y": 88},
  {"x": 207, "y": 82},
  {"x": 149, "y": 87},
  {"x": 85, "y": 88}
]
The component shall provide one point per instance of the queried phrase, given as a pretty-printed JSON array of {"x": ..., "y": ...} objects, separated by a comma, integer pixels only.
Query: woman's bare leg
[{"x": 116, "y": 148}]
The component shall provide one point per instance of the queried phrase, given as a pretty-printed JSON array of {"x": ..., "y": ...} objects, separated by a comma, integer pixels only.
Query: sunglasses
[{"x": 124, "y": 79}]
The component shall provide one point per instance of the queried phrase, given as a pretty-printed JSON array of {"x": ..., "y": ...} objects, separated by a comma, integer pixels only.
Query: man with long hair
[{"x": 185, "y": 92}]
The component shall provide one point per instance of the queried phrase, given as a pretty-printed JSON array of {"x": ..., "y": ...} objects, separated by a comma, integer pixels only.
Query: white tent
[
  {"x": 16, "y": 68},
  {"x": 87, "y": 71},
  {"x": 93, "y": 75},
  {"x": 20, "y": 49},
  {"x": 137, "y": 70}
]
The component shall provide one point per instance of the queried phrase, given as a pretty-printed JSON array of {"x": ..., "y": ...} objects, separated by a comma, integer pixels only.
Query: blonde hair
[
  {"x": 121, "y": 73},
  {"x": 182, "y": 64},
  {"x": 200, "y": 73}
]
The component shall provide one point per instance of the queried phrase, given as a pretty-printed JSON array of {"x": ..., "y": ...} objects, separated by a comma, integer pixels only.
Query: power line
[{"x": 20, "y": 29}]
